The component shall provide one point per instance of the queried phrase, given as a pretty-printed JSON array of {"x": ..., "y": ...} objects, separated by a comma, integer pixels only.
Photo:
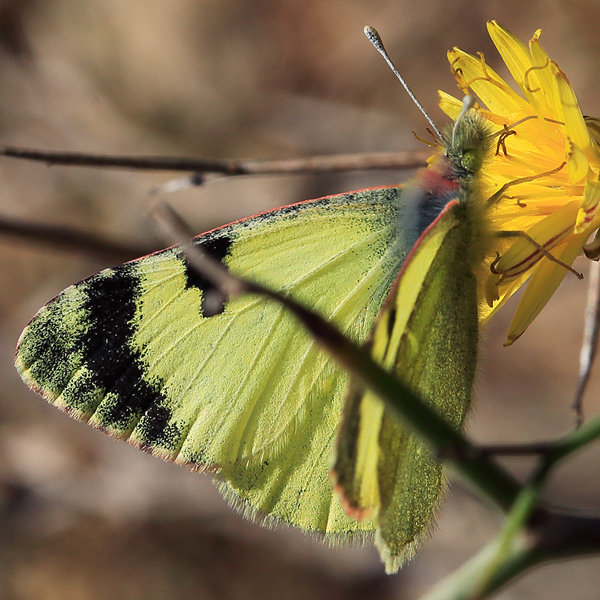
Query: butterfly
[{"x": 149, "y": 352}]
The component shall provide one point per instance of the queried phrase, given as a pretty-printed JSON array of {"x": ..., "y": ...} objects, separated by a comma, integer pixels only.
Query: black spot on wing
[
  {"x": 115, "y": 367},
  {"x": 213, "y": 302},
  {"x": 391, "y": 322},
  {"x": 156, "y": 429}
]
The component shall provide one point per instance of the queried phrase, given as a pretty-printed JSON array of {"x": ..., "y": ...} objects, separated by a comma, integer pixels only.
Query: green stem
[
  {"x": 502, "y": 560},
  {"x": 520, "y": 547},
  {"x": 587, "y": 433},
  {"x": 483, "y": 574}
]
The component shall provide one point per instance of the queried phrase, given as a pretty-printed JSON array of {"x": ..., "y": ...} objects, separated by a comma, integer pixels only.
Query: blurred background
[{"x": 85, "y": 517}]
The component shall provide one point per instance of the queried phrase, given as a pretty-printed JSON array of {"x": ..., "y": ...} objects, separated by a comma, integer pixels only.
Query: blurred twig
[
  {"x": 65, "y": 238},
  {"x": 407, "y": 159},
  {"x": 589, "y": 344}
]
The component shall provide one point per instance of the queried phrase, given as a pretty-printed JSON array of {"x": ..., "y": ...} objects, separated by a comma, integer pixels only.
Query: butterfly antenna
[
  {"x": 467, "y": 103},
  {"x": 375, "y": 39}
]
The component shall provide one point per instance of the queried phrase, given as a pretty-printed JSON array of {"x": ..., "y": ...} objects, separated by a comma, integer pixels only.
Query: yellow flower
[{"x": 542, "y": 185}]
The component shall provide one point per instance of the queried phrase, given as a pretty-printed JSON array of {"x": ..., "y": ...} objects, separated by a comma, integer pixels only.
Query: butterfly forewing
[{"x": 240, "y": 388}]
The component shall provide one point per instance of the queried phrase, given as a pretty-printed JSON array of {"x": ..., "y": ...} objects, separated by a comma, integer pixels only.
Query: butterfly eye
[{"x": 472, "y": 160}]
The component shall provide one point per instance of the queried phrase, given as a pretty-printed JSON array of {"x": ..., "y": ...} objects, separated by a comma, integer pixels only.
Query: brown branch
[
  {"x": 408, "y": 159},
  {"x": 534, "y": 449},
  {"x": 65, "y": 238},
  {"x": 589, "y": 345},
  {"x": 558, "y": 535}
]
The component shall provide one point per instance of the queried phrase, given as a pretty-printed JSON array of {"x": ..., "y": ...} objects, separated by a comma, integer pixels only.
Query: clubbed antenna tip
[{"x": 375, "y": 39}]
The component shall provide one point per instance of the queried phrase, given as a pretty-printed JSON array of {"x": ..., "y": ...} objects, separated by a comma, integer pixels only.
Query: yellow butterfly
[{"x": 150, "y": 354}]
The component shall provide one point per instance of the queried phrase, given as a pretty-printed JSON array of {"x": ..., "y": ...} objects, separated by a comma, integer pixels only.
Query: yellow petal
[
  {"x": 574, "y": 121},
  {"x": 494, "y": 92},
  {"x": 516, "y": 57},
  {"x": 548, "y": 233},
  {"x": 592, "y": 249},
  {"x": 544, "y": 282},
  {"x": 490, "y": 291},
  {"x": 589, "y": 206},
  {"x": 577, "y": 164},
  {"x": 539, "y": 58},
  {"x": 486, "y": 311},
  {"x": 450, "y": 105},
  {"x": 593, "y": 125}
]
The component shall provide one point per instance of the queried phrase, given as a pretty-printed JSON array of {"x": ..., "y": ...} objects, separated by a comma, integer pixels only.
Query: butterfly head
[{"x": 467, "y": 144}]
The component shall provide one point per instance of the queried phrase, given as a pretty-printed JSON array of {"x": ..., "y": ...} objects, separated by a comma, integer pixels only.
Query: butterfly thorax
[
  {"x": 467, "y": 150},
  {"x": 451, "y": 175}
]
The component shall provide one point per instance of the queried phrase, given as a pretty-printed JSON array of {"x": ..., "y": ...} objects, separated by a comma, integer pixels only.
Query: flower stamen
[
  {"x": 526, "y": 76},
  {"x": 500, "y": 193},
  {"x": 462, "y": 82},
  {"x": 434, "y": 144},
  {"x": 494, "y": 263},
  {"x": 540, "y": 249},
  {"x": 519, "y": 202},
  {"x": 506, "y": 132},
  {"x": 459, "y": 74}
]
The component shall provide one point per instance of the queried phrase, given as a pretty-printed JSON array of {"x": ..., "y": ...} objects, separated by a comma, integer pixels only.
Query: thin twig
[
  {"x": 589, "y": 346},
  {"x": 516, "y": 449},
  {"x": 65, "y": 238},
  {"x": 588, "y": 433},
  {"x": 552, "y": 451},
  {"x": 407, "y": 159}
]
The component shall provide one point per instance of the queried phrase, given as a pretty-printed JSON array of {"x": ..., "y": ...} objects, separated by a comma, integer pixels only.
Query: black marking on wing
[
  {"x": 391, "y": 322},
  {"x": 156, "y": 430},
  {"x": 213, "y": 302},
  {"x": 116, "y": 367},
  {"x": 48, "y": 350}
]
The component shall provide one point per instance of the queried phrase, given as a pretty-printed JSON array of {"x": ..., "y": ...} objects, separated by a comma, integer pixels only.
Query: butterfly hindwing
[
  {"x": 426, "y": 335},
  {"x": 148, "y": 353}
]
